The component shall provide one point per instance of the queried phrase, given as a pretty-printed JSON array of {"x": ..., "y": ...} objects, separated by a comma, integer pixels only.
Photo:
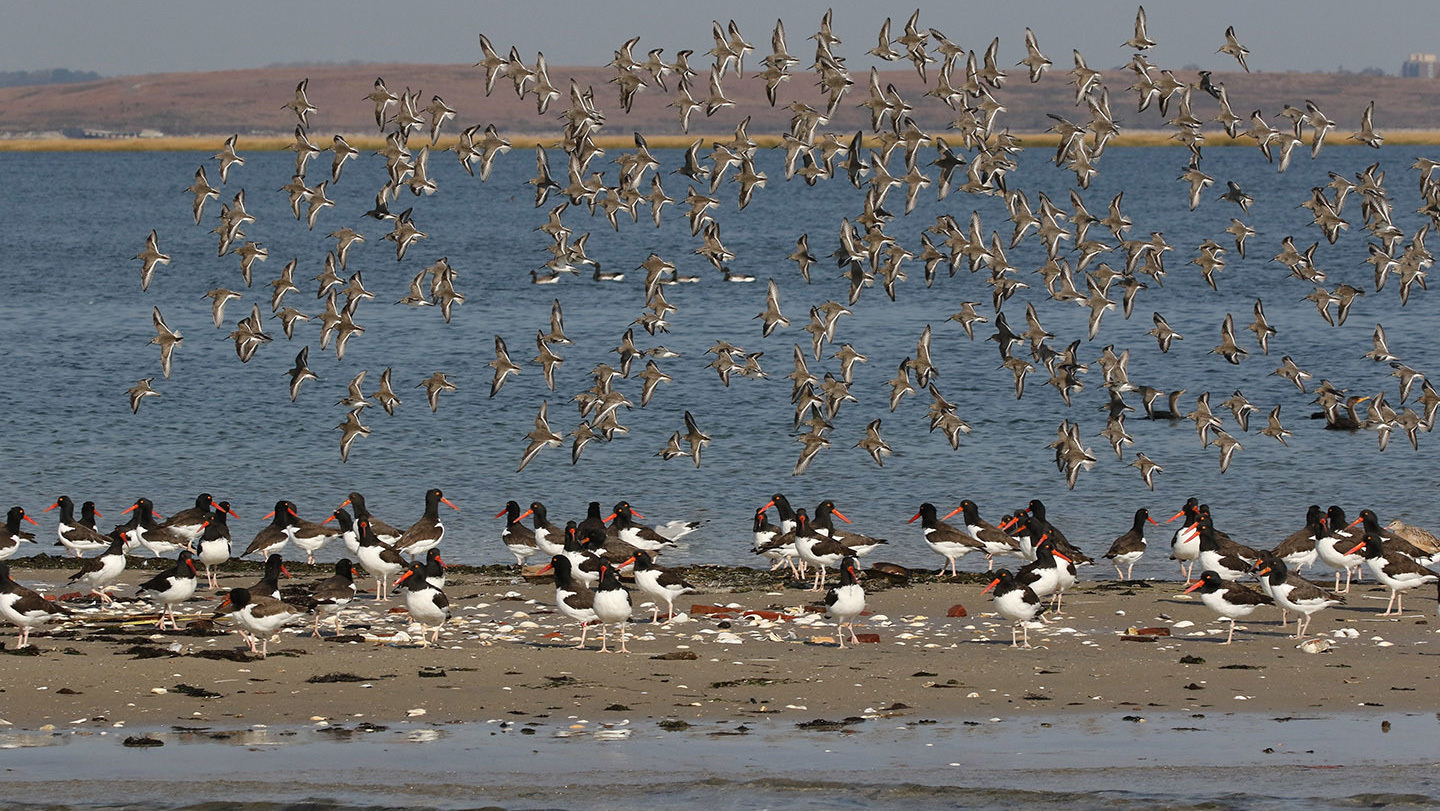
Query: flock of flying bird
[
  {"x": 975, "y": 158},
  {"x": 587, "y": 558}
]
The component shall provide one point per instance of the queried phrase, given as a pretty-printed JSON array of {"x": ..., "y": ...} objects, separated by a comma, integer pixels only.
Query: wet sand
[{"x": 768, "y": 656}]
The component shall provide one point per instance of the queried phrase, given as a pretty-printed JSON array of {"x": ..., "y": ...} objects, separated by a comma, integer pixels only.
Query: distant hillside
[
  {"x": 251, "y": 101},
  {"x": 21, "y": 78}
]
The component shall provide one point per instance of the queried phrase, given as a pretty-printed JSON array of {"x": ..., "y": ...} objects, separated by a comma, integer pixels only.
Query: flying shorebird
[
  {"x": 1147, "y": 468},
  {"x": 385, "y": 394},
  {"x": 541, "y": 437},
  {"x": 150, "y": 257},
  {"x": 300, "y": 373},
  {"x": 433, "y": 386},
  {"x": 139, "y": 392},
  {"x": 503, "y": 366},
  {"x": 874, "y": 444},
  {"x": 694, "y": 437},
  {"x": 351, "y": 429},
  {"x": 165, "y": 338}
]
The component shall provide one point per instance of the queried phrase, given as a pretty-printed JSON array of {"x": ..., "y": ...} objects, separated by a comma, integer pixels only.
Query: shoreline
[{"x": 758, "y": 654}]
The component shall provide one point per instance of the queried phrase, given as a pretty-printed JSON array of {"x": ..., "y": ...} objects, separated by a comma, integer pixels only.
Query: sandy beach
[{"x": 750, "y": 646}]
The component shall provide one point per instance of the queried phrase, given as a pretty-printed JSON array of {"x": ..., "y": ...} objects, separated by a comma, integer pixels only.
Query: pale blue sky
[{"x": 119, "y": 37}]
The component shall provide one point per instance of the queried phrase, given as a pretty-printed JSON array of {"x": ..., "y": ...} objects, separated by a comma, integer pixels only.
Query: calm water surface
[{"x": 74, "y": 325}]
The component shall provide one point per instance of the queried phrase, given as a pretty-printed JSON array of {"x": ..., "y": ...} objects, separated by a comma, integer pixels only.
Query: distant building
[{"x": 1421, "y": 66}]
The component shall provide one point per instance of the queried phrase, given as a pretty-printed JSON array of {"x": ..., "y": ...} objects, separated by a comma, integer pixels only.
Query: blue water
[{"x": 74, "y": 325}]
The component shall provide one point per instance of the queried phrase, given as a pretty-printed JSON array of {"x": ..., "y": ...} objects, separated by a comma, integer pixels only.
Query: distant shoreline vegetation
[{"x": 24, "y": 78}]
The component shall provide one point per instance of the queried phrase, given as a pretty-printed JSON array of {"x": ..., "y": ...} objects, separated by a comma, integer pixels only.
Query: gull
[
  {"x": 433, "y": 386},
  {"x": 167, "y": 339},
  {"x": 1034, "y": 60},
  {"x": 1147, "y": 468},
  {"x": 300, "y": 373},
  {"x": 771, "y": 315},
  {"x": 1274, "y": 429},
  {"x": 1291, "y": 372},
  {"x": 203, "y": 191},
  {"x": 1233, "y": 47},
  {"x": 1163, "y": 333},
  {"x": 1228, "y": 348},
  {"x": 139, "y": 392},
  {"x": 694, "y": 437},
  {"x": 351, "y": 430},
  {"x": 228, "y": 158},
  {"x": 149, "y": 258},
  {"x": 874, "y": 444}
]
